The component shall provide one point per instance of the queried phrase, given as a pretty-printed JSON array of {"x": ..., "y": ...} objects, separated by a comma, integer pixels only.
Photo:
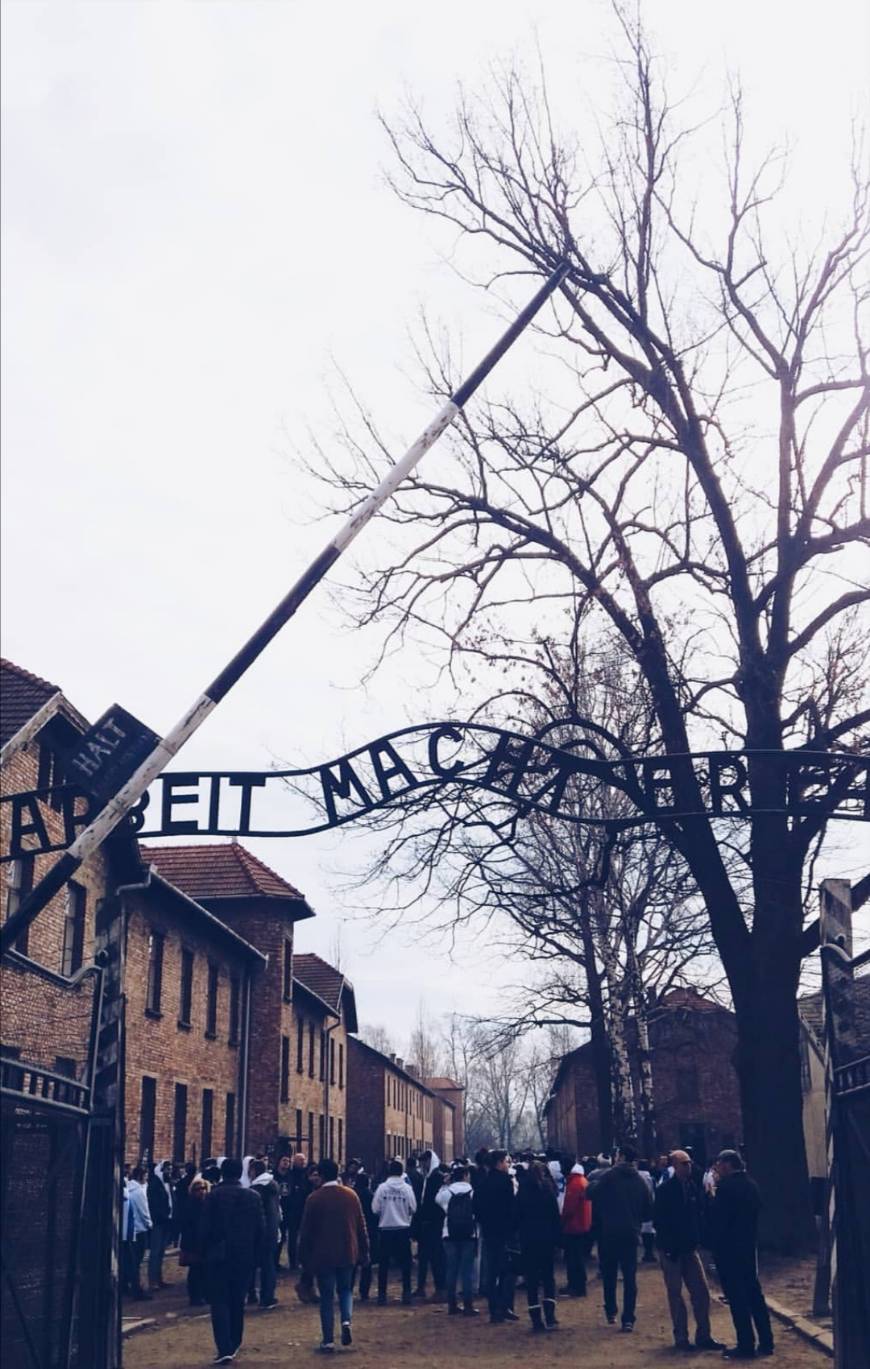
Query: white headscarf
[{"x": 246, "y": 1178}]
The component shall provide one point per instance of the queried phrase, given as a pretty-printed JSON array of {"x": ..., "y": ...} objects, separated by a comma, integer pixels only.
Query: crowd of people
[{"x": 482, "y": 1229}]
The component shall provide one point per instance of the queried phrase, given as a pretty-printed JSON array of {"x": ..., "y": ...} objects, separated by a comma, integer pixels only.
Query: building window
[
  {"x": 285, "y": 1069},
  {"x": 332, "y": 1060},
  {"x": 321, "y": 1136},
  {"x": 332, "y": 1137},
  {"x": 147, "y": 1113},
  {"x": 235, "y": 1009},
  {"x": 230, "y": 1125},
  {"x": 19, "y": 883},
  {"x": 207, "y": 1123},
  {"x": 179, "y": 1124},
  {"x": 322, "y": 1055},
  {"x": 311, "y": 1050},
  {"x": 74, "y": 930},
  {"x": 340, "y": 1065},
  {"x": 211, "y": 1003},
  {"x": 310, "y": 1137},
  {"x": 288, "y": 970},
  {"x": 154, "y": 992},
  {"x": 299, "y": 1137},
  {"x": 300, "y": 1044},
  {"x": 340, "y": 1156},
  {"x": 185, "y": 998}
]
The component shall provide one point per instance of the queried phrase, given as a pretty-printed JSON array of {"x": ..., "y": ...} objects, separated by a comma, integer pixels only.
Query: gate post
[{"x": 848, "y": 1104}]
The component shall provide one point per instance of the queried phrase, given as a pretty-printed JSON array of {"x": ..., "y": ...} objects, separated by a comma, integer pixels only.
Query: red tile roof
[
  {"x": 220, "y": 870},
  {"x": 442, "y": 1082},
  {"x": 323, "y": 979},
  {"x": 21, "y": 695}
]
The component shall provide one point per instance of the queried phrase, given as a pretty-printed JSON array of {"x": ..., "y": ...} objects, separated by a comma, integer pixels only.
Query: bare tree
[
  {"x": 425, "y": 1048},
  {"x": 697, "y": 477},
  {"x": 377, "y": 1037}
]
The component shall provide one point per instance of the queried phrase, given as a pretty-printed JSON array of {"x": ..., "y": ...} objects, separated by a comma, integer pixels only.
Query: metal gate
[
  {"x": 847, "y": 1081},
  {"x": 45, "y": 1124}
]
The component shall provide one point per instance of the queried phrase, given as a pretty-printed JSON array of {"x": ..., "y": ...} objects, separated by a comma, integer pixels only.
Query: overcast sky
[{"x": 195, "y": 229}]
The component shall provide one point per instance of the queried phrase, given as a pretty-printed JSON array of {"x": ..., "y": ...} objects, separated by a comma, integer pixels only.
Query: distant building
[
  {"x": 695, "y": 1086},
  {"x": 188, "y": 979},
  {"x": 262, "y": 909},
  {"x": 448, "y": 1128},
  {"x": 390, "y": 1112},
  {"x": 324, "y": 1011},
  {"x": 46, "y": 1017}
]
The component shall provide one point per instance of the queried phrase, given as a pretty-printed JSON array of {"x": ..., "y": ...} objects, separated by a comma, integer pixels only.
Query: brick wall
[
  {"x": 365, "y": 1106},
  {"x": 160, "y": 1047},
  {"x": 42, "y": 1017},
  {"x": 695, "y": 1086},
  {"x": 318, "y": 1090}
]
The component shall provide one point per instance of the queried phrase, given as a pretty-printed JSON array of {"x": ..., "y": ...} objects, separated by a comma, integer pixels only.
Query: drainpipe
[
  {"x": 244, "y": 1056},
  {"x": 327, "y": 1035}
]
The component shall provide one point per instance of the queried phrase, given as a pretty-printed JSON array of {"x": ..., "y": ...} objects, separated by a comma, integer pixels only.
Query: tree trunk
[
  {"x": 768, "y": 1066},
  {"x": 601, "y": 1060}
]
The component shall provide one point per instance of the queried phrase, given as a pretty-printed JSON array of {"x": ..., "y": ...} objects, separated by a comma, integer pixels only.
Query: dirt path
[{"x": 422, "y": 1337}]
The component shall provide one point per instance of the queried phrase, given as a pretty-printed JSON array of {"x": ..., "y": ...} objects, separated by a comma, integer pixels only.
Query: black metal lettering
[
  {"x": 74, "y": 818},
  {"x": 652, "y": 785},
  {"x": 26, "y": 805},
  {"x": 448, "y": 734},
  {"x": 385, "y": 773},
  {"x": 340, "y": 786},
  {"x": 214, "y": 803},
  {"x": 136, "y": 814},
  {"x": 246, "y": 783},
  {"x": 169, "y": 825},
  {"x": 516, "y": 761},
  {"x": 718, "y": 764}
]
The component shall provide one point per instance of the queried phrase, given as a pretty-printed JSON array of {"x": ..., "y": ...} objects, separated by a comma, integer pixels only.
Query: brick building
[
  {"x": 448, "y": 1131},
  {"x": 695, "y": 1087},
  {"x": 240, "y": 891},
  {"x": 45, "y": 983},
  {"x": 188, "y": 984},
  {"x": 390, "y": 1111},
  {"x": 324, "y": 1011}
]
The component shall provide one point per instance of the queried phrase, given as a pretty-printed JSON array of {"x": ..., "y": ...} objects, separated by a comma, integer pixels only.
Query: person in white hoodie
[
  {"x": 460, "y": 1240},
  {"x": 136, "y": 1225},
  {"x": 394, "y": 1205}
]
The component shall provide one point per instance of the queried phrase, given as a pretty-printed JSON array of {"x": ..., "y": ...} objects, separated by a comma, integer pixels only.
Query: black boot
[
  {"x": 537, "y": 1319},
  {"x": 452, "y": 1308},
  {"x": 550, "y": 1312},
  {"x": 469, "y": 1310}
]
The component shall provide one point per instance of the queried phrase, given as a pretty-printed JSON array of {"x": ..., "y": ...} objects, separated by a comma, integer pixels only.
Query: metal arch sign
[{"x": 574, "y": 782}]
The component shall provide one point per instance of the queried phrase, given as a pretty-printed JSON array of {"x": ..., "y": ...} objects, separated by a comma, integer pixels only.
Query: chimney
[
  {"x": 399, "y": 1062},
  {"x": 413, "y": 1071},
  {"x": 392, "y": 1058}
]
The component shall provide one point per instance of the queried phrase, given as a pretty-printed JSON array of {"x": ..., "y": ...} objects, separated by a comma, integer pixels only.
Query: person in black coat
[
  {"x": 430, "y": 1224},
  {"x": 363, "y": 1189},
  {"x": 734, "y": 1239},
  {"x": 540, "y": 1231},
  {"x": 621, "y": 1203},
  {"x": 233, "y": 1236},
  {"x": 495, "y": 1210}
]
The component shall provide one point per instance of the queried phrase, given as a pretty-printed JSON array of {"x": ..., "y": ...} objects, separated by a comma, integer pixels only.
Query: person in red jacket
[{"x": 576, "y": 1224}]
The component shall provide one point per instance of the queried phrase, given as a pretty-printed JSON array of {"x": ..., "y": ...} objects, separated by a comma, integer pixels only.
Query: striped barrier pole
[{"x": 134, "y": 787}]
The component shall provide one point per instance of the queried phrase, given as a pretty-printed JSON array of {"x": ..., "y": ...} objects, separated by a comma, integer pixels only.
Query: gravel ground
[{"x": 422, "y": 1337}]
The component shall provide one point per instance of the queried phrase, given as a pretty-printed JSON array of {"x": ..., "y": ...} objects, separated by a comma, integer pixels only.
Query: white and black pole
[{"x": 128, "y": 794}]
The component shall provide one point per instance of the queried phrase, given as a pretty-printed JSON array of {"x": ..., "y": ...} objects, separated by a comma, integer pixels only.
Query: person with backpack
[
  {"x": 576, "y": 1225},
  {"x": 456, "y": 1199},
  {"x": 394, "y": 1205},
  {"x": 540, "y": 1231}
]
